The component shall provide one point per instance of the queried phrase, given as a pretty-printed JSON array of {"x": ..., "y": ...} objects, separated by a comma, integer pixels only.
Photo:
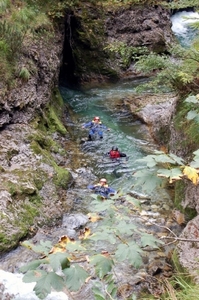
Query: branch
[
  {"x": 161, "y": 226},
  {"x": 180, "y": 239}
]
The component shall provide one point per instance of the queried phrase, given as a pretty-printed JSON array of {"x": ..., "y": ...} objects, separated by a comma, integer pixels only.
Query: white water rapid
[
  {"x": 13, "y": 288},
  {"x": 181, "y": 22}
]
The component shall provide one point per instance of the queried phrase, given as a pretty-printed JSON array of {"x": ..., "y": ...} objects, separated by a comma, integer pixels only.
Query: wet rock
[
  {"x": 154, "y": 113},
  {"x": 188, "y": 252},
  {"x": 6, "y": 198},
  {"x": 74, "y": 221}
]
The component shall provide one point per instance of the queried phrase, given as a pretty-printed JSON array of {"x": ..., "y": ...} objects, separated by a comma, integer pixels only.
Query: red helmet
[
  {"x": 96, "y": 118},
  {"x": 103, "y": 180}
]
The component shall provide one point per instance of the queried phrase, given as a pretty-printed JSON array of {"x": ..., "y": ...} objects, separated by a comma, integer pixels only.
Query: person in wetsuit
[
  {"x": 114, "y": 153},
  {"x": 102, "y": 188},
  {"x": 95, "y": 126}
]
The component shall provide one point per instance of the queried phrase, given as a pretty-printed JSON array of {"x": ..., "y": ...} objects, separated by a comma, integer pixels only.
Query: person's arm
[
  {"x": 91, "y": 187},
  {"x": 87, "y": 125},
  {"x": 122, "y": 154},
  {"x": 111, "y": 190}
]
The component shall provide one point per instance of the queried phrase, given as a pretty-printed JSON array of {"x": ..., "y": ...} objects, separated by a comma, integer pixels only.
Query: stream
[{"x": 88, "y": 164}]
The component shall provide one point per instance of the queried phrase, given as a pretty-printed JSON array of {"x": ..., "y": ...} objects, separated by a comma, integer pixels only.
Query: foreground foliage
[{"x": 72, "y": 263}]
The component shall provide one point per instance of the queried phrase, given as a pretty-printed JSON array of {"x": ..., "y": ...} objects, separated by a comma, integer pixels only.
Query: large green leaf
[
  {"x": 58, "y": 260},
  {"x": 34, "y": 275},
  {"x": 172, "y": 174},
  {"x": 124, "y": 228},
  {"x": 75, "y": 277},
  {"x": 133, "y": 200},
  {"x": 192, "y": 114},
  {"x": 147, "y": 179},
  {"x": 33, "y": 265},
  {"x": 102, "y": 205},
  {"x": 149, "y": 160},
  {"x": 191, "y": 99},
  {"x": 164, "y": 158},
  {"x": 195, "y": 162},
  {"x": 75, "y": 246},
  {"x": 103, "y": 265},
  {"x": 149, "y": 240},
  {"x": 106, "y": 235},
  {"x": 46, "y": 283},
  {"x": 196, "y": 153},
  {"x": 130, "y": 252},
  {"x": 44, "y": 246},
  {"x": 177, "y": 159}
]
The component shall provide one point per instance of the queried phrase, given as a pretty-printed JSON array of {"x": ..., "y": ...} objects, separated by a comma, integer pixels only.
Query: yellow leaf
[
  {"x": 61, "y": 245},
  {"x": 84, "y": 233},
  {"x": 94, "y": 217},
  {"x": 191, "y": 174}
]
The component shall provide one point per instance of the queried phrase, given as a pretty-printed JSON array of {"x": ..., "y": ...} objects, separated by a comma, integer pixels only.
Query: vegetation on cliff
[{"x": 24, "y": 21}]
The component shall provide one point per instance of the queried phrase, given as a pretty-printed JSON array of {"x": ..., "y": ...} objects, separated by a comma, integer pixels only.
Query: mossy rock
[
  {"x": 62, "y": 178},
  {"x": 19, "y": 224}
]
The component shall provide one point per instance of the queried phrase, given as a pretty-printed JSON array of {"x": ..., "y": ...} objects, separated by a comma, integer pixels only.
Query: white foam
[
  {"x": 24, "y": 291},
  {"x": 180, "y": 23}
]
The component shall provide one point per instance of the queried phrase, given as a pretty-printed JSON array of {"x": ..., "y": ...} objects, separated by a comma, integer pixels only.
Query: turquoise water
[{"x": 129, "y": 135}]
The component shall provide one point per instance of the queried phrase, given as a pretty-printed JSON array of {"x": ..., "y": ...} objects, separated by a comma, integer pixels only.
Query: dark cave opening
[{"x": 67, "y": 75}]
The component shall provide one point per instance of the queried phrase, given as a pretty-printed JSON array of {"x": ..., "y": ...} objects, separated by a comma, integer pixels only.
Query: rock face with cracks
[{"x": 29, "y": 193}]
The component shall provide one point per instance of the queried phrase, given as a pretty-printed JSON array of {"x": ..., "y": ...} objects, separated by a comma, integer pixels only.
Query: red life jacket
[{"x": 114, "y": 154}]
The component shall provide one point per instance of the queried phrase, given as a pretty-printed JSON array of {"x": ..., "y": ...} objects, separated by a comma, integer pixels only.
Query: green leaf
[
  {"x": 34, "y": 275},
  {"x": 102, "y": 205},
  {"x": 43, "y": 248},
  {"x": 133, "y": 200},
  {"x": 97, "y": 291},
  {"x": 164, "y": 158},
  {"x": 111, "y": 289},
  {"x": 177, "y": 159},
  {"x": 192, "y": 114},
  {"x": 103, "y": 265},
  {"x": 125, "y": 228},
  {"x": 58, "y": 260},
  {"x": 173, "y": 174},
  {"x": 191, "y": 99},
  {"x": 194, "y": 164},
  {"x": 106, "y": 235},
  {"x": 75, "y": 277},
  {"x": 196, "y": 153},
  {"x": 75, "y": 246},
  {"x": 33, "y": 265},
  {"x": 46, "y": 283},
  {"x": 149, "y": 240},
  {"x": 130, "y": 252},
  {"x": 147, "y": 179},
  {"x": 149, "y": 160}
]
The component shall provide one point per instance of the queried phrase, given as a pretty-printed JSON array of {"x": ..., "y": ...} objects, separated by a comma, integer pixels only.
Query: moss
[
  {"x": 50, "y": 118},
  {"x": 62, "y": 178},
  {"x": 179, "y": 194},
  {"x": 189, "y": 212},
  {"x": 53, "y": 114},
  {"x": 22, "y": 222}
]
